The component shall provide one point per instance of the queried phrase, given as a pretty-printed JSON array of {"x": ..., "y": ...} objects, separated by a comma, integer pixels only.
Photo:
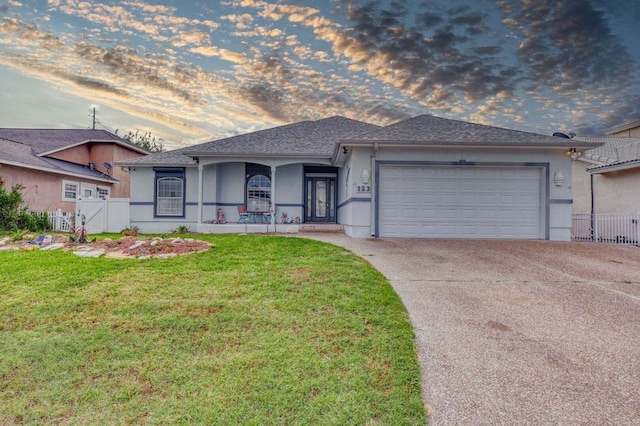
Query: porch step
[{"x": 320, "y": 227}]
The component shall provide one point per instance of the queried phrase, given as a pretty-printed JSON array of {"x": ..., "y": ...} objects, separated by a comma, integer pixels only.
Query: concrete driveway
[{"x": 519, "y": 332}]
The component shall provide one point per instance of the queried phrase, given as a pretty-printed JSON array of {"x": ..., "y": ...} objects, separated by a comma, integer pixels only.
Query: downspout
[
  {"x": 200, "y": 190},
  {"x": 593, "y": 208},
  {"x": 374, "y": 178}
]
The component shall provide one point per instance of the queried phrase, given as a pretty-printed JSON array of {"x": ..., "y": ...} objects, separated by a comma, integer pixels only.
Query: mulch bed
[{"x": 125, "y": 247}]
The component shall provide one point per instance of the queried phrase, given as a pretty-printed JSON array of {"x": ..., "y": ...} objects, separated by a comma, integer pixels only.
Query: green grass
[{"x": 258, "y": 330}]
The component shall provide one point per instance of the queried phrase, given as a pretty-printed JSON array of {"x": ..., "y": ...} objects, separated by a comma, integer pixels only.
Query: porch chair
[{"x": 243, "y": 216}]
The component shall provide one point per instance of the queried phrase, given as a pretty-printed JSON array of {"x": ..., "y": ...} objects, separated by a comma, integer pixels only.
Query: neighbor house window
[
  {"x": 102, "y": 192},
  {"x": 259, "y": 193},
  {"x": 69, "y": 190},
  {"x": 169, "y": 192}
]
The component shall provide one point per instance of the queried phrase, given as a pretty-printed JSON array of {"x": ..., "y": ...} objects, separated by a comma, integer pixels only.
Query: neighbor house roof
[
  {"x": 30, "y": 148},
  {"x": 631, "y": 124},
  {"x": 430, "y": 130},
  {"x": 615, "y": 153},
  {"x": 47, "y": 141},
  {"x": 303, "y": 139}
]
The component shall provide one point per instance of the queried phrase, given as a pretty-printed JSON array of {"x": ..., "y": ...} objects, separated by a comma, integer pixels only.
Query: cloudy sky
[{"x": 193, "y": 71}]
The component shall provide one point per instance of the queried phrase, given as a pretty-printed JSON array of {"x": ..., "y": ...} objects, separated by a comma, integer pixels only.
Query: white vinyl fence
[
  {"x": 610, "y": 228},
  {"x": 102, "y": 215}
]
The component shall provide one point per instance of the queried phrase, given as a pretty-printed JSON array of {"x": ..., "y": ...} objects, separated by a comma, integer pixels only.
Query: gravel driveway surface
[{"x": 519, "y": 332}]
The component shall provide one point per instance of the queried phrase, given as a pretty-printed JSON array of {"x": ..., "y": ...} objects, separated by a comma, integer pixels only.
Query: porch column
[
  {"x": 200, "y": 167},
  {"x": 273, "y": 195}
]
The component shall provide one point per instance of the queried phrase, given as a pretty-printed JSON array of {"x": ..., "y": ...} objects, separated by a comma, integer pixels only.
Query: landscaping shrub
[{"x": 14, "y": 216}]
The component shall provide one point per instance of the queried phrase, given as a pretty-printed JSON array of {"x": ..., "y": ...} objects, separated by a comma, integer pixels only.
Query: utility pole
[{"x": 94, "y": 118}]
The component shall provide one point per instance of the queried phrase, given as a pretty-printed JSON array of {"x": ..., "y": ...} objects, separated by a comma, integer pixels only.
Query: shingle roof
[
  {"x": 50, "y": 140},
  {"x": 427, "y": 129},
  {"x": 614, "y": 151},
  {"x": 22, "y": 155},
  {"x": 307, "y": 138},
  {"x": 316, "y": 138},
  {"x": 175, "y": 157},
  {"x": 29, "y": 147}
]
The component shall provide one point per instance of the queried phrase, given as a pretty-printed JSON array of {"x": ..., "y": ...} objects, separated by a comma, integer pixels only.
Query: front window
[
  {"x": 170, "y": 193},
  {"x": 259, "y": 193}
]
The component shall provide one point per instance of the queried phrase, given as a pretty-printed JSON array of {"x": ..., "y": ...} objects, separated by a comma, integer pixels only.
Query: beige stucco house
[
  {"x": 606, "y": 179},
  {"x": 56, "y": 166},
  {"x": 629, "y": 129}
]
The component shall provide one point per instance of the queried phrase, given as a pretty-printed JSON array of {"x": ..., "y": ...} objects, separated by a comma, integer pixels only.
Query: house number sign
[{"x": 363, "y": 188}]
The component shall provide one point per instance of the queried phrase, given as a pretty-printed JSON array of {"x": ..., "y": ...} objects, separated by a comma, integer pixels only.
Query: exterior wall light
[
  {"x": 365, "y": 177},
  {"x": 558, "y": 178}
]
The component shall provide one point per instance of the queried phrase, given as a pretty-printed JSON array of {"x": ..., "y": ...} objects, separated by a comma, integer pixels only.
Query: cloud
[
  {"x": 568, "y": 45},
  {"x": 375, "y": 60},
  {"x": 225, "y": 54}
]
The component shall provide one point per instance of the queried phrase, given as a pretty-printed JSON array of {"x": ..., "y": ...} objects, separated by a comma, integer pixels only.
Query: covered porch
[{"x": 265, "y": 195}]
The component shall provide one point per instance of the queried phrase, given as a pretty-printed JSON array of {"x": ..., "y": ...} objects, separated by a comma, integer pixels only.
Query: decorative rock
[
  {"x": 6, "y": 248},
  {"x": 154, "y": 243},
  {"x": 177, "y": 240},
  {"x": 90, "y": 253},
  {"x": 136, "y": 245},
  {"x": 166, "y": 255},
  {"x": 55, "y": 246},
  {"x": 4, "y": 241},
  {"x": 146, "y": 256},
  {"x": 117, "y": 255}
]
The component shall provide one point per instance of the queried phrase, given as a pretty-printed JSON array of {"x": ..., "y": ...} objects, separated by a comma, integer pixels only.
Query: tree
[{"x": 144, "y": 141}]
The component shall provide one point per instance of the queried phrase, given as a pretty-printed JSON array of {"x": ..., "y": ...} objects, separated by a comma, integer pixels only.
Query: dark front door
[{"x": 321, "y": 199}]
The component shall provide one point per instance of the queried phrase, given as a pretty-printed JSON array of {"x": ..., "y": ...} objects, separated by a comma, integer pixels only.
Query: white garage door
[{"x": 460, "y": 202}]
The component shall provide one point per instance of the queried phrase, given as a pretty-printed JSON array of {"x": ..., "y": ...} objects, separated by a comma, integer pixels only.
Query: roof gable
[
  {"x": 21, "y": 155},
  {"x": 304, "y": 138},
  {"x": 627, "y": 125},
  {"x": 307, "y": 138},
  {"x": 431, "y": 130},
  {"x": 28, "y": 148},
  {"x": 45, "y": 141}
]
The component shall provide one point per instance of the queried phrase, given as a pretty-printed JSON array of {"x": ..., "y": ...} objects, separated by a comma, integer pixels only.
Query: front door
[{"x": 321, "y": 199}]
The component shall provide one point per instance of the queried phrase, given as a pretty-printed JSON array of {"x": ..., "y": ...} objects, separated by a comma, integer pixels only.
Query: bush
[
  {"x": 33, "y": 221},
  {"x": 14, "y": 217},
  {"x": 10, "y": 206}
]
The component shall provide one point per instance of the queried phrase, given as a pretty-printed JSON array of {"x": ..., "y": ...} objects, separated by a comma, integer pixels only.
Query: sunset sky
[{"x": 194, "y": 71}]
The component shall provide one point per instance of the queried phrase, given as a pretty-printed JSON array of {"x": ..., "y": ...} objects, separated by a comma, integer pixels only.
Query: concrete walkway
[{"x": 518, "y": 332}]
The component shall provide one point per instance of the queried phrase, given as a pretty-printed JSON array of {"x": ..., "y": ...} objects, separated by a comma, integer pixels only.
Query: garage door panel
[{"x": 460, "y": 202}]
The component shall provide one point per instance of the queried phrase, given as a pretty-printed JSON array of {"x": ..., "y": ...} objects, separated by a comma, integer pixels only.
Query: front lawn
[{"x": 257, "y": 330}]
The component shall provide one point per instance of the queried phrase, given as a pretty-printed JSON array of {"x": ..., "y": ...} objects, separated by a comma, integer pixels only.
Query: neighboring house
[
  {"x": 423, "y": 177},
  {"x": 56, "y": 166},
  {"x": 630, "y": 129},
  {"x": 606, "y": 179}
]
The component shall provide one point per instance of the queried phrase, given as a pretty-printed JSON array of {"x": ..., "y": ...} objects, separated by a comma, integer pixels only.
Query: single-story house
[
  {"x": 422, "y": 177},
  {"x": 56, "y": 166}
]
